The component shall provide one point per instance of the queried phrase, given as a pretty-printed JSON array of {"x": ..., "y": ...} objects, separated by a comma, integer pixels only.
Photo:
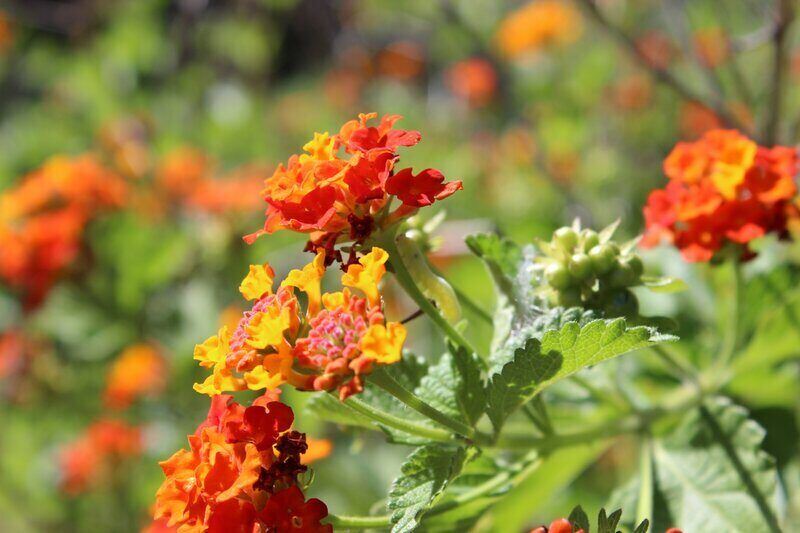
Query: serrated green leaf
[
  {"x": 664, "y": 284},
  {"x": 455, "y": 387},
  {"x": 559, "y": 354},
  {"x": 463, "y": 516},
  {"x": 711, "y": 470},
  {"x": 424, "y": 476}
]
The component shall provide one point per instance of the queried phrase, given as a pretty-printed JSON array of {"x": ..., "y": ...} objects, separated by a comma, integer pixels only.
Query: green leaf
[
  {"x": 608, "y": 524},
  {"x": 643, "y": 527},
  {"x": 711, "y": 470},
  {"x": 424, "y": 476},
  {"x": 579, "y": 519},
  {"x": 455, "y": 387},
  {"x": 559, "y": 354},
  {"x": 462, "y": 517},
  {"x": 664, "y": 284}
]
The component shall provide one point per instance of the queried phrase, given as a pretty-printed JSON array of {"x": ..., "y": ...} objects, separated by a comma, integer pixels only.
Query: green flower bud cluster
[{"x": 584, "y": 268}]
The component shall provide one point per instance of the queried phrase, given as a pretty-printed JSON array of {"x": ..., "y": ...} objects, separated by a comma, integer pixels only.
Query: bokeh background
[{"x": 178, "y": 109}]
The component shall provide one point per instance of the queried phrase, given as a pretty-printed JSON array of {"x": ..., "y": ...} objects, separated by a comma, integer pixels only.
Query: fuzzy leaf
[
  {"x": 424, "y": 476},
  {"x": 711, "y": 470},
  {"x": 455, "y": 387},
  {"x": 559, "y": 354}
]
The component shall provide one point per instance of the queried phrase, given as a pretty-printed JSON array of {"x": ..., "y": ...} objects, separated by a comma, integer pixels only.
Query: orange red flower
[
  {"x": 723, "y": 189},
  {"x": 473, "y": 80},
  {"x": 139, "y": 370},
  {"x": 42, "y": 220},
  {"x": 538, "y": 24},
  {"x": 91, "y": 459},
  {"x": 332, "y": 344},
  {"x": 240, "y": 473},
  {"x": 187, "y": 177},
  {"x": 342, "y": 187}
]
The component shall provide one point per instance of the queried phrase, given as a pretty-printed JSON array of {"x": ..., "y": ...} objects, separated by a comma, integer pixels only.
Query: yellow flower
[
  {"x": 366, "y": 275},
  {"x": 308, "y": 280},
  {"x": 384, "y": 344},
  {"x": 258, "y": 282}
]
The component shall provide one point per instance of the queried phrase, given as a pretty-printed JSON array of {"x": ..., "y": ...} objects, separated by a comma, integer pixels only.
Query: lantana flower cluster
[
  {"x": 43, "y": 218},
  {"x": 243, "y": 469},
  {"x": 187, "y": 177},
  {"x": 342, "y": 187},
  {"x": 138, "y": 371},
  {"x": 331, "y": 344},
  {"x": 241, "y": 473},
  {"x": 723, "y": 189},
  {"x": 538, "y": 24},
  {"x": 95, "y": 455}
]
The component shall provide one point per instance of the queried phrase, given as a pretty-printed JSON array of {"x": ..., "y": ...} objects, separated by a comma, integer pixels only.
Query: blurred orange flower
[
  {"x": 474, "y": 80},
  {"x": 188, "y": 177},
  {"x": 632, "y": 93},
  {"x": 712, "y": 46},
  {"x": 401, "y": 60},
  {"x": 317, "y": 449},
  {"x": 539, "y": 24},
  {"x": 656, "y": 48},
  {"x": 139, "y": 370},
  {"x": 91, "y": 459},
  {"x": 6, "y": 32},
  {"x": 42, "y": 220}
]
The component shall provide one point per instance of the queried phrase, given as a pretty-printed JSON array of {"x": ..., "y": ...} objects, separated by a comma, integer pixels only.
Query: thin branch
[
  {"x": 412, "y": 316},
  {"x": 784, "y": 19},
  {"x": 662, "y": 75},
  {"x": 733, "y": 65}
]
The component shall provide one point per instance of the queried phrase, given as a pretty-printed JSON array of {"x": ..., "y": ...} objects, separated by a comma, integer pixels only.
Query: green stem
[
  {"x": 682, "y": 368},
  {"x": 404, "y": 278},
  {"x": 396, "y": 422},
  {"x": 358, "y": 522},
  {"x": 644, "y": 507},
  {"x": 731, "y": 341},
  {"x": 383, "y": 380}
]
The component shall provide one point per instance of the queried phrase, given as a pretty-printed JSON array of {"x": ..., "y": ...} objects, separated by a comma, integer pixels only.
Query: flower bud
[
  {"x": 565, "y": 238},
  {"x": 622, "y": 276},
  {"x": 603, "y": 257},
  {"x": 558, "y": 276},
  {"x": 580, "y": 266},
  {"x": 590, "y": 239}
]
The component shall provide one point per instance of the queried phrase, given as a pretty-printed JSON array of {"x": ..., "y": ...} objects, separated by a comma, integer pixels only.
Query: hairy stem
[
  {"x": 397, "y": 422},
  {"x": 731, "y": 341},
  {"x": 383, "y": 380}
]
